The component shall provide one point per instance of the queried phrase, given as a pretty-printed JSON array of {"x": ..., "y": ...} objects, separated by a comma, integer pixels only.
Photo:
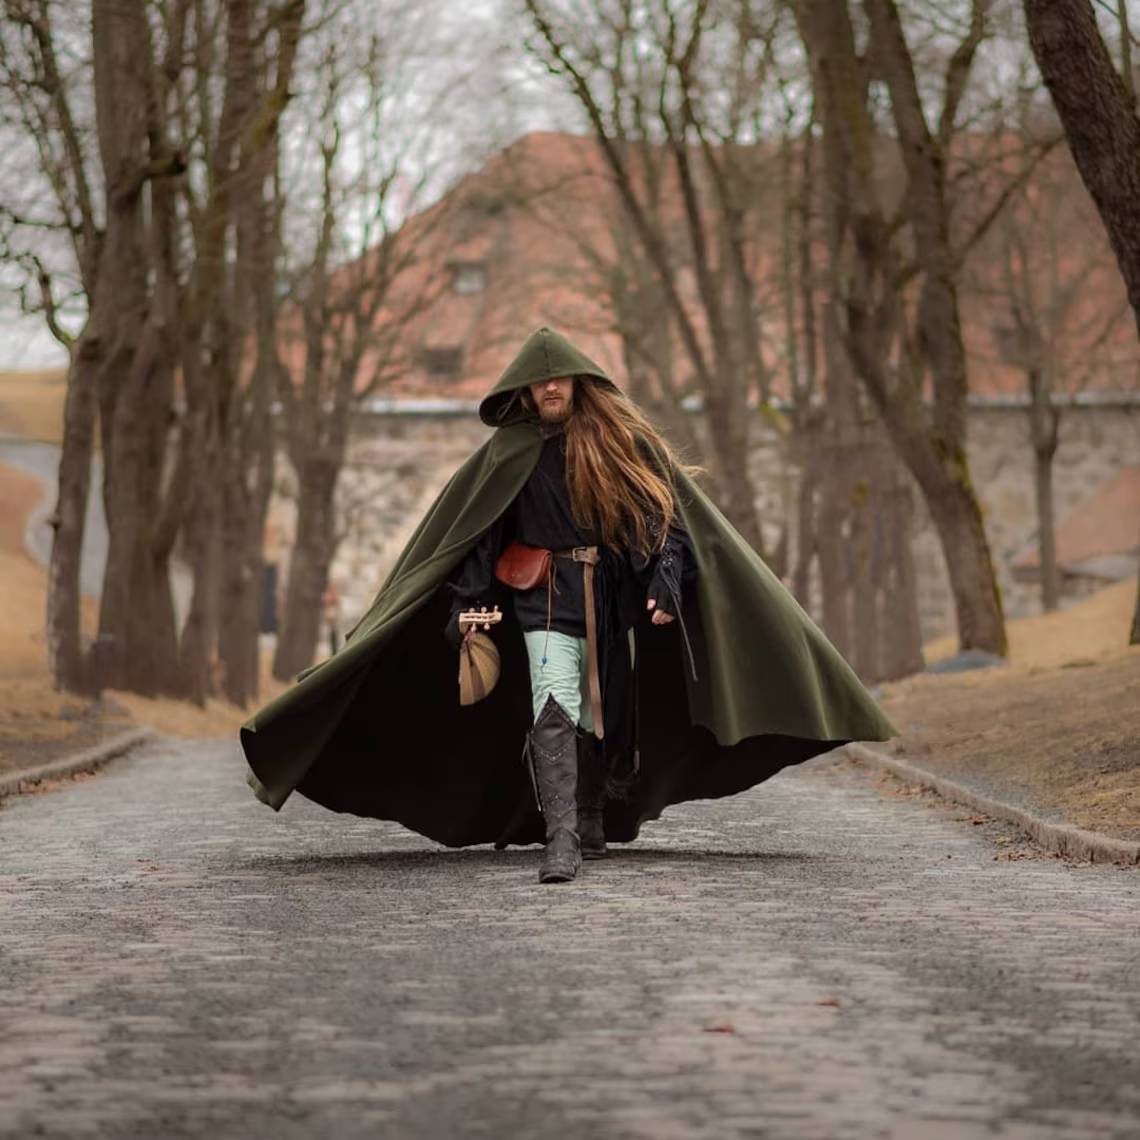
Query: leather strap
[{"x": 588, "y": 556}]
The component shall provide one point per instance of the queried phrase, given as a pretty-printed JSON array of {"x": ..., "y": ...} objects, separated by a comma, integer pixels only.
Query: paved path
[
  {"x": 808, "y": 960},
  {"x": 41, "y": 461}
]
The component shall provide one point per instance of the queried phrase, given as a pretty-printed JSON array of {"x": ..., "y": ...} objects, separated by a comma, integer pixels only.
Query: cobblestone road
[{"x": 806, "y": 960}]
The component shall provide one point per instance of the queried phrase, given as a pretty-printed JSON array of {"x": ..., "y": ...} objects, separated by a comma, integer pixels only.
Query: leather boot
[
  {"x": 552, "y": 754},
  {"x": 591, "y": 797}
]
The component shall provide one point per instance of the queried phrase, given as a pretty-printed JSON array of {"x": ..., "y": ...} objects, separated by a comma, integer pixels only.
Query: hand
[{"x": 660, "y": 617}]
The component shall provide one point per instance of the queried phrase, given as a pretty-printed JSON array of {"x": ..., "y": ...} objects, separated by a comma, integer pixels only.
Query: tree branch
[
  {"x": 1008, "y": 191},
  {"x": 654, "y": 245},
  {"x": 958, "y": 70}
]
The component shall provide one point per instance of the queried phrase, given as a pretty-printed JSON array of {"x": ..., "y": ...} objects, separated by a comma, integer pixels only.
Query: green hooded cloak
[{"x": 377, "y": 729}]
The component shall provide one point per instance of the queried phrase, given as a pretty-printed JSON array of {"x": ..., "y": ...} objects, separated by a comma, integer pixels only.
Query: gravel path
[{"x": 807, "y": 960}]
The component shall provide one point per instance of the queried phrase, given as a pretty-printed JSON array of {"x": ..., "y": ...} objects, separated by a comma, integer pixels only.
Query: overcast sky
[
  {"x": 504, "y": 93},
  {"x": 504, "y": 96}
]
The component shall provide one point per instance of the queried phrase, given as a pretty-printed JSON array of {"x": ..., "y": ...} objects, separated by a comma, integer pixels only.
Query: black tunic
[{"x": 541, "y": 516}]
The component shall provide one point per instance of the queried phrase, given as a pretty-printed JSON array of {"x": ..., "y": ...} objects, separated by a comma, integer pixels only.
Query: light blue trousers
[{"x": 565, "y": 674}]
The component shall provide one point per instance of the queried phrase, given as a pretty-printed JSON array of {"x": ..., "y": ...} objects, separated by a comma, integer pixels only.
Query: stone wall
[
  {"x": 1095, "y": 443},
  {"x": 400, "y": 461},
  {"x": 398, "y": 465}
]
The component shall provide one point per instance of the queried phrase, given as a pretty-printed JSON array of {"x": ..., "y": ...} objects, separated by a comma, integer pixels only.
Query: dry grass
[
  {"x": 1058, "y": 729},
  {"x": 1090, "y": 630},
  {"x": 22, "y": 652},
  {"x": 31, "y": 404},
  {"x": 180, "y": 718},
  {"x": 36, "y": 722}
]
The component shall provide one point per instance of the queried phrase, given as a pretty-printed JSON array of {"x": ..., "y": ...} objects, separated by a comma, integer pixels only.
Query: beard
[{"x": 555, "y": 411}]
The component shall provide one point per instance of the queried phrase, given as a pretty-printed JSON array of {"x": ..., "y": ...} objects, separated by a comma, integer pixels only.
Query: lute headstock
[{"x": 473, "y": 619}]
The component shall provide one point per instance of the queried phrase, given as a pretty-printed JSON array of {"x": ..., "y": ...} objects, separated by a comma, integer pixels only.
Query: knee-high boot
[
  {"x": 552, "y": 753},
  {"x": 591, "y": 796}
]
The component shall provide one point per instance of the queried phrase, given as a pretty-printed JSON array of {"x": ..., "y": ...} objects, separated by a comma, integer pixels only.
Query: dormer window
[
  {"x": 468, "y": 277},
  {"x": 443, "y": 363}
]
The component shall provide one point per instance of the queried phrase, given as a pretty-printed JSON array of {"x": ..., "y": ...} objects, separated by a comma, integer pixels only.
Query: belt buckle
[{"x": 584, "y": 554}]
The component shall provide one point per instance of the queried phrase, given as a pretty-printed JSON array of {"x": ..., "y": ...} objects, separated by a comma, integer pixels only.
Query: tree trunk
[
  {"x": 239, "y": 603},
  {"x": 805, "y": 529},
  {"x": 1046, "y": 531},
  {"x": 1044, "y": 429},
  {"x": 136, "y": 619},
  {"x": 933, "y": 447},
  {"x": 834, "y": 556},
  {"x": 865, "y": 659},
  {"x": 136, "y": 616},
  {"x": 647, "y": 353},
  {"x": 943, "y": 477},
  {"x": 728, "y": 447},
  {"x": 248, "y": 479},
  {"x": 902, "y": 649},
  {"x": 1134, "y": 636},
  {"x": 199, "y": 634},
  {"x": 135, "y": 389},
  {"x": 65, "y": 650},
  {"x": 308, "y": 570},
  {"x": 244, "y": 408},
  {"x": 1099, "y": 118},
  {"x": 957, "y": 518}
]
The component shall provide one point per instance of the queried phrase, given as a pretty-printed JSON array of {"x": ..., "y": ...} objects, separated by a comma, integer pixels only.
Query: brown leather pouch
[{"x": 523, "y": 567}]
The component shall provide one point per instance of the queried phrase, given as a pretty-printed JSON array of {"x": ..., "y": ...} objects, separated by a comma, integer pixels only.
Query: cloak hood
[{"x": 546, "y": 355}]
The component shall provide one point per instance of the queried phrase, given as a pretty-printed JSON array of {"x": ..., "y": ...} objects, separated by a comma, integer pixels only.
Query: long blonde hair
[{"x": 614, "y": 486}]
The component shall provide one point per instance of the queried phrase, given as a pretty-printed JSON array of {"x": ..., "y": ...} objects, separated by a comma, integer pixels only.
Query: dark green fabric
[{"x": 378, "y": 729}]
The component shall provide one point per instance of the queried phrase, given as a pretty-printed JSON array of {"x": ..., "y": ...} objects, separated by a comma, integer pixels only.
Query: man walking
[
  {"x": 647, "y": 654},
  {"x": 602, "y": 518}
]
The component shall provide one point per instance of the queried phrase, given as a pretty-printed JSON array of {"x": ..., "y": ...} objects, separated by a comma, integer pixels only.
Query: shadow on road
[{"x": 477, "y": 858}]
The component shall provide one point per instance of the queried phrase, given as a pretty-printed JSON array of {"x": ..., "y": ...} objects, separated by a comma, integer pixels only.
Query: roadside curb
[
  {"x": 12, "y": 783},
  {"x": 1062, "y": 838}
]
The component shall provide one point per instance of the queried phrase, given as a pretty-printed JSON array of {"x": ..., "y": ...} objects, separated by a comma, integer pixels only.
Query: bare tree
[
  {"x": 897, "y": 347},
  {"x": 1047, "y": 286},
  {"x": 692, "y": 148},
  {"x": 113, "y": 188},
  {"x": 42, "y": 98},
  {"x": 1097, "y": 107},
  {"x": 855, "y": 504},
  {"x": 229, "y": 356},
  {"x": 152, "y": 261},
  {"x": 365, "y": 283},
  {"x": 636, "y": 73},
  {"x": 1098, "y": 110}
]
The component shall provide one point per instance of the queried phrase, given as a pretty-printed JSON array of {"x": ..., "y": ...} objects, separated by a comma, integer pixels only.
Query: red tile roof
[
  {"x": 539, "y": 217},
  {"x": 1104, "y": 526}
]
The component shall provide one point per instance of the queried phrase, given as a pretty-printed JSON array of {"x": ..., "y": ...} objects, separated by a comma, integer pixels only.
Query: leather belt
[{"x": 588, "y": 556}]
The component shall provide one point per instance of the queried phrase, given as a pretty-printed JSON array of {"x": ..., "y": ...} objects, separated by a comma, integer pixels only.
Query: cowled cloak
[{"x": 377, "y": 729}]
